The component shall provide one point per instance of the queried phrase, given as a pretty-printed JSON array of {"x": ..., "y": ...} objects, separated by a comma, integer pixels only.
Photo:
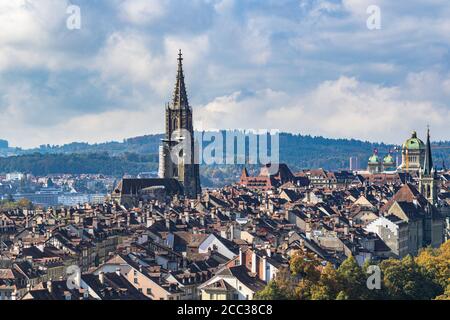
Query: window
[
  {"x": 136, "y": 280},
  {"x": 149, "y": 291}
]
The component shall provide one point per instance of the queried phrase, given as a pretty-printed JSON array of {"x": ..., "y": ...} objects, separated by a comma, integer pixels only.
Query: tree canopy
[{"x": 424, "y": 277}]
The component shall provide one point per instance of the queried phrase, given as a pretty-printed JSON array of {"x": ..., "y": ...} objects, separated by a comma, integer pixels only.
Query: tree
[
  {"x": 404, "y": 280},
  {"x": 271, "y": 292},
  {"x": 329, "y": 285},
  {"x": 305, "y": 265},
  {"x": 24, "y": 204},
  {"x": 435, "y": 263},
  {"x": 424, "y": 278},
  {"x": 280, "y": 288},
  {"x": 352, "y": 279},
  {"x": 446, "y": 295}
]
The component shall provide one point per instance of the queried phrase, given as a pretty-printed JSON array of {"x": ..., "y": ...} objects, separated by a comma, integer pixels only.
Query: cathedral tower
[{"x": 178, "y": 153}]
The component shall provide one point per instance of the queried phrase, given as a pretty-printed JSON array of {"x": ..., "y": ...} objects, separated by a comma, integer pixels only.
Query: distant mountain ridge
[{"x": 140, "y": 154}]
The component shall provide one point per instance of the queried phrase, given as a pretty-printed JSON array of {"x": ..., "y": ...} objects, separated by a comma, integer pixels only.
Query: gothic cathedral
[{"x": 178, "y": 157}]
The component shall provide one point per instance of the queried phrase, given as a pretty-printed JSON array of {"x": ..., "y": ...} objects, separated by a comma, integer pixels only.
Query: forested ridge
[{"x": 140, "y": 154}]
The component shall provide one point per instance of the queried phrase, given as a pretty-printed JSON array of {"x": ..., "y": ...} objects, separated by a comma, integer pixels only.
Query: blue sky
[{"x": 307, "y": 66}]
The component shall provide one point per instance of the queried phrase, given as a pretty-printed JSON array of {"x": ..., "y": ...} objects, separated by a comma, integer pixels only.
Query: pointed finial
[{"x": 179, "y": 96}]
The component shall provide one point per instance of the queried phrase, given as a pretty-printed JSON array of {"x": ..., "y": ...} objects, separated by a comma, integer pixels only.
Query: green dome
[
  {"x": 414, "y": 143},
  {"x": 388, "y": 159},
  {"x": 374, "y": 159}
]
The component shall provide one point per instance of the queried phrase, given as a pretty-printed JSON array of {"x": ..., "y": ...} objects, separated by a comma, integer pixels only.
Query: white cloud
[
  {"x": 125, "y": 57},
  {"x": 142, "y": 12},
  {"x": 27, "y": 33},
  {"x": 224, "y": 6},
  {"x": 344, "y": 108}
]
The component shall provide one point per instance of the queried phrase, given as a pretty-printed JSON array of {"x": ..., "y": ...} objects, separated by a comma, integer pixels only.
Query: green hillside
[{"x": 140, "y": 154}]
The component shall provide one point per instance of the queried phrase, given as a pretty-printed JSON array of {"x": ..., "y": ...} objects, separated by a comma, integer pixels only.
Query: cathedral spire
[
  {"x": 428, "y": 162},
  {"x": 180, "y": 99}
]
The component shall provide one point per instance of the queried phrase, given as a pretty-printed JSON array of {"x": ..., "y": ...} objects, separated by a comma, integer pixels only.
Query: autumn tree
[
  {"x": 352, "y": 279},
  {"x": 404, "y": 280},
  {"x": 435, "y": 263}
]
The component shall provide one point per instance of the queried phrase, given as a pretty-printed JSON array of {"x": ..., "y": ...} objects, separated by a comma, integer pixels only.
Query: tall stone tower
[
  {"x": 428, "y": 182},
  {"x": 178, "y": 153}
]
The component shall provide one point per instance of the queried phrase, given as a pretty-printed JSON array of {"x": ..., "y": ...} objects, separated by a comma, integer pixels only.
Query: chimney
[
  {"x": 264, "y": 271},
  {"x": 118, "y": 271},
  {"x": 101, "y": 277},
  {"x": 254, "y": 266},
  {"x": 49, "y": 286},
  {"x": 167, "y": 223}
]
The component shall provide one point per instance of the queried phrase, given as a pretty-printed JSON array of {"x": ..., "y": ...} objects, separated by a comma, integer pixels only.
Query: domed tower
[
  {"x": 374, "y": 165},
  {"x": 388, "y": 163},
  {"x": 413, "y": 154}
]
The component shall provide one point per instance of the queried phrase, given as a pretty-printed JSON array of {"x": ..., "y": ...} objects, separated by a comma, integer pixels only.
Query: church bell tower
[
  {"x": 178, "y": 152},
  {"x": 428, "y": 182}
]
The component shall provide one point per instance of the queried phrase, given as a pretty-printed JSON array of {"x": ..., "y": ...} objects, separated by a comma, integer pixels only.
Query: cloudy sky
[{"x": 304, "y": 66}]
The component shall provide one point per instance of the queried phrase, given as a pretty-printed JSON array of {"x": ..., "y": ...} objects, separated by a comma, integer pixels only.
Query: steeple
[
  {"x": 180, "y": 99},
  {"x": 428, "y": 162},
  {"x": 179, "y": 127}
]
